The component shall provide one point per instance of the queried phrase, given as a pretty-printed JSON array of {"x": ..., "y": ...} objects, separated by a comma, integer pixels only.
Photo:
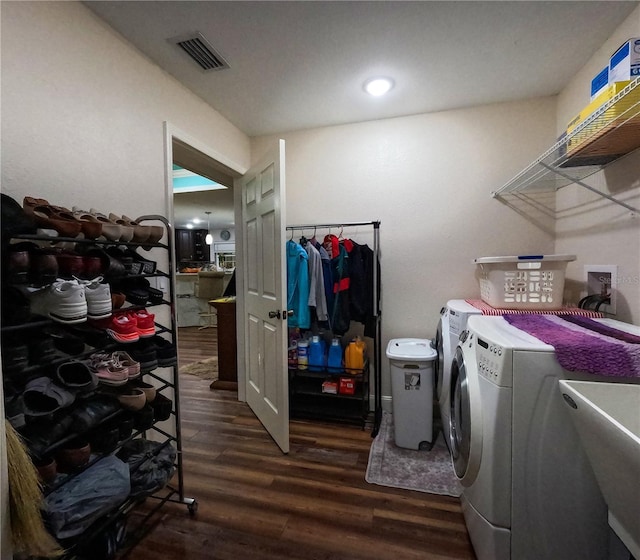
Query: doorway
[{"x": 183, "y": 207}]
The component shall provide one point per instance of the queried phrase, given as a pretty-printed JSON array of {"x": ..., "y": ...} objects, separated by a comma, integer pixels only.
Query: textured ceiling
[{"x": 301, "y": 64}]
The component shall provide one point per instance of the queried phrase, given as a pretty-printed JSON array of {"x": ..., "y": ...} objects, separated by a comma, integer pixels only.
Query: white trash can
[{"x": 412, "y": 369}]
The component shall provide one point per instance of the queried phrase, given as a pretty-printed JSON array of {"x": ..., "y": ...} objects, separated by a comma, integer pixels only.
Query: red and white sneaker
[
  {"x": 123, "y": 328},
  {"x": 145, "y": 322}
]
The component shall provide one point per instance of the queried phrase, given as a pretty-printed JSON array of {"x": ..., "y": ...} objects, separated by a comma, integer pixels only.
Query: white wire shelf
[{"x": 610, "y": 133}]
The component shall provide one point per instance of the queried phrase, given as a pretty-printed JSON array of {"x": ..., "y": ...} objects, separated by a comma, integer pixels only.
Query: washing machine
[
  {"x": 529, "y": 492},
  {"x": 453, "y": 320}
]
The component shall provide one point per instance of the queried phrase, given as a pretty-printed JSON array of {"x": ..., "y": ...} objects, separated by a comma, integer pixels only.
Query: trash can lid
[{"x": 411, "y": 349}]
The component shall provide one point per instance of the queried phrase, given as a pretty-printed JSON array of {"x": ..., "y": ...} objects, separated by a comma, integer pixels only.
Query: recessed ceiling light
[{"x": 378, "y": 86}]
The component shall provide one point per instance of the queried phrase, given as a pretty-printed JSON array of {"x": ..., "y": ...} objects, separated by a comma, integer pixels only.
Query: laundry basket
[{"x": 523, "y": 282}]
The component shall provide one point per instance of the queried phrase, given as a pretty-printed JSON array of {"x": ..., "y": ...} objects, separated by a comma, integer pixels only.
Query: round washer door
[{"x": 465, "y": 422}]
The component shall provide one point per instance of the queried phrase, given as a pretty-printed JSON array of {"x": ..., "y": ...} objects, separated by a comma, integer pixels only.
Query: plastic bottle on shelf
[
  {"x": 303, "y": 354},
  {"x": 316, "y": 354},
  {"x": 294, "y": 337},
  {"x": 354, "y": 356},
  {"x": 334, "y": 358}
]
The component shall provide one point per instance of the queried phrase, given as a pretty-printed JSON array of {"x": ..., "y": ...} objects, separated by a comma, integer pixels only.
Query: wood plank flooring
[{"x": 312, "y": 504}]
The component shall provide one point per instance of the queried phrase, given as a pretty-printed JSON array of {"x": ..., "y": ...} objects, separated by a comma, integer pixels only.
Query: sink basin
[{"x": 607, "y": 419}]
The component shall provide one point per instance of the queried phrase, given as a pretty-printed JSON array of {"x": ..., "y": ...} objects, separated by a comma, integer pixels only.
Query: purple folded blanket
[{"x": 584, "y": 345}]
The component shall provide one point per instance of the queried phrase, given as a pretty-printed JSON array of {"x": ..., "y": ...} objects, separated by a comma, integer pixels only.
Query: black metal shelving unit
[{"x": 173, "y": 491}]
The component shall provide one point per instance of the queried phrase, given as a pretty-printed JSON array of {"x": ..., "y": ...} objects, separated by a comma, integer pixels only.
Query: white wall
[
  {"x": 83, "y": 113},
  {"x": 596, "y": 230},
  {"x": 428, "y": 179}
]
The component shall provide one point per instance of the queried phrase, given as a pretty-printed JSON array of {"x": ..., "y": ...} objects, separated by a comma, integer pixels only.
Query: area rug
[
  {"x": 204, "y": 369},
  {"x": 424, "y": 471}
]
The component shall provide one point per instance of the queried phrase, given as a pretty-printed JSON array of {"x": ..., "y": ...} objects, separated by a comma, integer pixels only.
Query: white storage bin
[{"x": 523, "y": 282}]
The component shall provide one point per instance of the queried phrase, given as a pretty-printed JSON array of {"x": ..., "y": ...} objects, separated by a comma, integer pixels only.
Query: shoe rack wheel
[{"x": 193, "y": 507}]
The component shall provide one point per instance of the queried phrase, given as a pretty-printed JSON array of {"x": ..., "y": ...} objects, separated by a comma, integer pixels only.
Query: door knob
[
  {"x": 274, "y": 314},
  {"x": 289, "y": 312}
]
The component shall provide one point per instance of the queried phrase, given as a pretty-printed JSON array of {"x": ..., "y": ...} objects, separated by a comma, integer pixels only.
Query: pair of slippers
[{"x": 43, "y": 396}]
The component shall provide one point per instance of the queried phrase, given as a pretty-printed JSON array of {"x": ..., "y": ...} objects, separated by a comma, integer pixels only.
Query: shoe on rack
[
  {"x": 162, "y": 407},
  {"x": 41, "y": 435},
  {"x": 47, "y": 469},
  {"x": 65, "y": 302},
  {"x": 117, "y": 299},
  {"x": 98, "y": 296},
  {"x": 126, "y": 231},
  {"x": 143, "y": 418},
  {"x": 105, "y": 439},
  {"x": 155, "y": 232},
  {"x": 109, "y": 230},
  {"x": 65, "y": 341},
  {"x": 123, "y": 328},
  {"x": 73, "y": 455},
  {"x": 165, "y": 351},
  {"x": 42, "y": 349},
  {"x": 149, "y": 390},
  {"x": 76, "y": 376},
  {"x": 140, "y": 233},
  {"x": 125, "y": 360},
  {"x": 70, "y": 265},
  {"x": 42, "y": 397},
  {"x": 16, "y": 265},
  {"x": 132, "y": 398},
  {"x": 93, "y": 411},
  {"x": 44, "y": 268},
  {"x": 52, "y": 217},
  {"x": 144, "y": 352},
  {"x": 107, "y": 370},
  {"x": 145, "y": 322}
]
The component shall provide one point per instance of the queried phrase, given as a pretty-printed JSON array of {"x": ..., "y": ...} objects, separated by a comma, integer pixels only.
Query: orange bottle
[{"x": 354, "y": 356}]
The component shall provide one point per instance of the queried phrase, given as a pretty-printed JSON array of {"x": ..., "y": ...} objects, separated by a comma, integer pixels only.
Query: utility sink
[{"x": 607, "y": 419}]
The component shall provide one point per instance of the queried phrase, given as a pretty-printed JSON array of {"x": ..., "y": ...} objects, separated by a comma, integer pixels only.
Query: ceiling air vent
[{"x": 199, "y": 49}]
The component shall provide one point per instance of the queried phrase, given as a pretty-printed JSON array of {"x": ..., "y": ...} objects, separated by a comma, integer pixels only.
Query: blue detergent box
[
  {"x": 600, "y": 82},
  {"x": 625, "y": 62}
]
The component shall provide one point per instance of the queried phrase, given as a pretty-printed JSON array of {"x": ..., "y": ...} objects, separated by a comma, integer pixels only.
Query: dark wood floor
[{"x": 312, "y": 504}]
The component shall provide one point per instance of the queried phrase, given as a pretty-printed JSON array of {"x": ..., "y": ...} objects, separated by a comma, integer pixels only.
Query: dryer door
[{"x": 465, "y": 438}]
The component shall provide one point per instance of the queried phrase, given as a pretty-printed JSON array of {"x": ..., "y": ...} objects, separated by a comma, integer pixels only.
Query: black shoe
[
  {"x": 145, "y": 353},
  {"x": 162, "y": 407},
  {"x": 42, "y": 349},
  {"x": 165, "y": 350},
  {"x": 66, "y": 342},
  {"x": 77, "y": 377},
  {"x": 91, "y": 412},
  {"x": 143, "y": 418}
]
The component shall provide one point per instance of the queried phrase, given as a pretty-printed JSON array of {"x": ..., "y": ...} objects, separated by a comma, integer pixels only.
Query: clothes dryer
[
  {"x": 528, "y": 488},
  {"x": 453, "y": 320}
]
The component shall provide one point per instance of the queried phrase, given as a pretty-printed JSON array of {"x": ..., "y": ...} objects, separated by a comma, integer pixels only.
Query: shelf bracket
[{"x": 590, "y": 188}]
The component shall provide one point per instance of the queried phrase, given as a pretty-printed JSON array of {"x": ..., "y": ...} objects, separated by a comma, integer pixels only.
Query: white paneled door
[{"x": 263, "y": 217}]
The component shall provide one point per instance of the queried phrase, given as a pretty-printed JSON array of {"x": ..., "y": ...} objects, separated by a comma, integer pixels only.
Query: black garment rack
[{"x": 377, "y": 341}]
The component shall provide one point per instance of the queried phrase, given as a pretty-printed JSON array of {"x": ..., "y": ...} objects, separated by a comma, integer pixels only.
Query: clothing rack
[{"x": 377, "y": 342}]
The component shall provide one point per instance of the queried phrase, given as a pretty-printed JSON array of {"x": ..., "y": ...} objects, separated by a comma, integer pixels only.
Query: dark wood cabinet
[{"x": 191, "y": 246}]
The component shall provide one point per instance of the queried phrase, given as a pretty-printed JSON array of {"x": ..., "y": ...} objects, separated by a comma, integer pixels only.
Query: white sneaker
[
  {"x": 65, "y": 302},
  {"x": 98, "y": 298}
]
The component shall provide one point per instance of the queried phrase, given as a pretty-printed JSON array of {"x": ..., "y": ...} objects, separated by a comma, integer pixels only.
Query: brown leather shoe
[{"x": 48, "y": 218}]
